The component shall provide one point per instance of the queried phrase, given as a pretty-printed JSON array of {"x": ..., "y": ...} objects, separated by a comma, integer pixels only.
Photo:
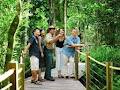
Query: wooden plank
[
  {"x": 7, "y": 86},
  {"x": 58, "y": 84},
  {"x": 6, "y": 75},
  {"x": 13, "y": 76}
]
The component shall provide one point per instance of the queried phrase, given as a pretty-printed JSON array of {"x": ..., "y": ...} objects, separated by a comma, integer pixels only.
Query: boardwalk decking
[{"x": 58, "y": 84}]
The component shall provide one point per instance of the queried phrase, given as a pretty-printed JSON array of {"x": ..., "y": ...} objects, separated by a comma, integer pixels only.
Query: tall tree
[
  {"x": 65, "y": 15},
  {"x": 11, "y": 33},
  {"x": 51, "y": 12},
  {"x": 108, "y": 20}
]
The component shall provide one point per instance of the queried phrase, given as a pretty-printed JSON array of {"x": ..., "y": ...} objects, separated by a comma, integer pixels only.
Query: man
[
  {"x": 50, "y": 39},
  {"x": 34, "y": 53},
  {"x": 70, "y": 45},
  {"x": 41, "y": 46}
]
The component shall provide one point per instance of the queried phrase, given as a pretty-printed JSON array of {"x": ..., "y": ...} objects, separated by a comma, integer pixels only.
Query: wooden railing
[
  {"x": 14, "y": 77},
  {"x": 108, "y": 65}
]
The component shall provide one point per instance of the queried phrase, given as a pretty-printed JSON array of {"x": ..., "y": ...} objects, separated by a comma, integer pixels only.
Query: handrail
[
  {"x": 112, "y": 67},
  {"x": 16, "y": 71},
  {"x": 115, "y": 68},
  {"x": 6, "y": 87},
  {"x": 6, "y": 74},
  {"x": 102, "y": 64},
  {"x": 81, "y": 52},
  {"x": 91, "y": 58},
  {"x": 108, "y": 68}
]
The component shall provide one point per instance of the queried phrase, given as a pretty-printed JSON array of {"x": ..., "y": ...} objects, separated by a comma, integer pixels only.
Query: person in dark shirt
[
  {"x": 59, "y": 59},
  {"x": 41, "y": 46},
  {"x": 34, "y": 53}
]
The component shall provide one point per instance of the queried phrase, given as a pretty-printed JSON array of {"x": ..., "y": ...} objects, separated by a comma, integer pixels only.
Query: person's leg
[
  {"x": 34, "y": 61},
  {"x": 72, "y": 67},
  {"x": 47, "y": 71},
  {"x": 49, "y": 58},
  {"x": 39, "y": 71},
  {"x": 34, "y": 75},
  {"x": 33, "y": 71},
  {"x": 61, "y": 62},
  {"x": 58, "y": 61},
  {"x": 64, "y": 68},
  {"x": 39, "y": 76},
  {"x": 46, "y": 64}
]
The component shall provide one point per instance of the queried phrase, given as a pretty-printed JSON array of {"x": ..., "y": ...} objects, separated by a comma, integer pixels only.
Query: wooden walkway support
[
  {"x": 108, "y": 72},
  {"x": 109, "y": 75},
  {"x": 87, "y": 71},
  {"x": 76, "y": 65},
  {"x": 15, "y": 76}
]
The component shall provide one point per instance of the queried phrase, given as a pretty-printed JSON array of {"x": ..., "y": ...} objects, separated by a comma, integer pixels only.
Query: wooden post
[
  {"x": 87, "y": 71},
  {"x": 22, "y": 76},
  {"x": 13, "y": 77},
  {"x": 109, "y": 75},
  {"x": 76, "y": 65}
]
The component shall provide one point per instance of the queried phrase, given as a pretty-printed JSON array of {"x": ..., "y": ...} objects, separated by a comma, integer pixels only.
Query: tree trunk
[
  {"x": 61, "y": 10},
  {"x": 52, "y": 13},
  {"x": 11, "y": 33},
  {"x": 65, "y": 15}
]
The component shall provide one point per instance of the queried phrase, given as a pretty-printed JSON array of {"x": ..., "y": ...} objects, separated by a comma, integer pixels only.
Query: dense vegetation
[{"x": 97, "y": 20}]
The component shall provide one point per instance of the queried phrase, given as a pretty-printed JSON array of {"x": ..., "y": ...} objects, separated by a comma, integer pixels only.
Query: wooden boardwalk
[{"x": 58, "y": 84}]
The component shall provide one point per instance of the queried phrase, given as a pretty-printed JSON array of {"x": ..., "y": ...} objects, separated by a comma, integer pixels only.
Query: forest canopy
[{"x": 97, "y": 20}]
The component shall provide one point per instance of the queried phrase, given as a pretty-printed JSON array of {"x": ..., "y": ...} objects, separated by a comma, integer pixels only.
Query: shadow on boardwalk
[{"x": 58, "y": 84}]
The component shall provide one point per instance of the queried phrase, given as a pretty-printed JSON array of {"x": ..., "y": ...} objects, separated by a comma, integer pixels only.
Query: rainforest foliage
[{"x": 97, "y": 20}]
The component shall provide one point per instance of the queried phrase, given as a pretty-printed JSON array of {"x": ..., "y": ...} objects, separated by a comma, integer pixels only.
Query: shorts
[{"x": 34, "y": 61}]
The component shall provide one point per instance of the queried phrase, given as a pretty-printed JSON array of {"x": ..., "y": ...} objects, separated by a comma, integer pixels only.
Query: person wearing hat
[{"x": 50, "y": 40}]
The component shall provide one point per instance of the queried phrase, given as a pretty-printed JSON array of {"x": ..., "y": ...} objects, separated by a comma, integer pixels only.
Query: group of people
[{"x": 44, "y": 46}]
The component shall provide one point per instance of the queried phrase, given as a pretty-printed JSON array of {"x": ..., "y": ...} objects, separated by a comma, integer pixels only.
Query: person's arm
[
  {"x": 69, "y": 43},
  {"x": 76, "y": 45},
  {"x": 40, "y": 46},
  {"x": 26, "y": 48},
  {"x": 53, "y": 40},
  {"x": 72, "y": 45}
]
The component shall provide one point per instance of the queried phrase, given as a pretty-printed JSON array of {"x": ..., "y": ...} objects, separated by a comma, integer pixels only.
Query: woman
[{"x": 59, "y": 46}]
